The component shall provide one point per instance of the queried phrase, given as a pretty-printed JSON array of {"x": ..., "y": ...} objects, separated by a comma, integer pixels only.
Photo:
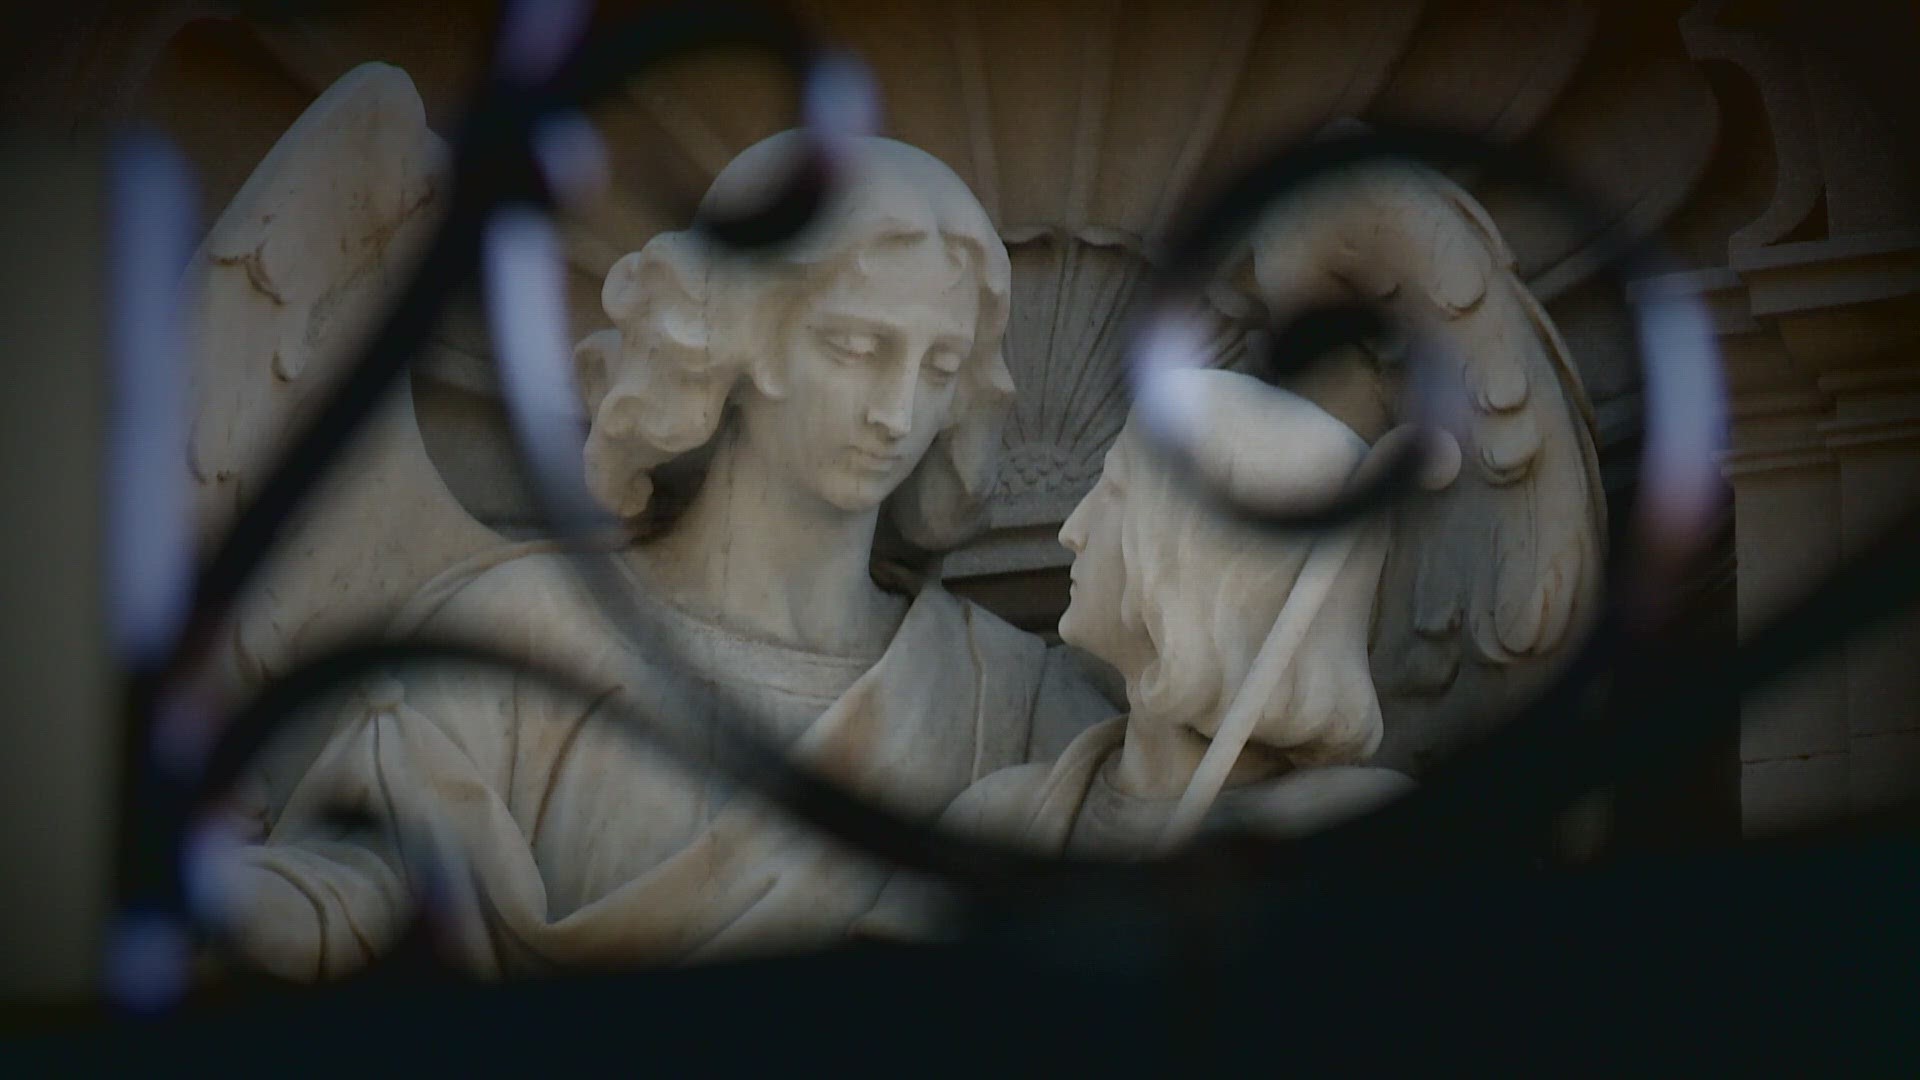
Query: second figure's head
[{"x": 1179, "y": 598}]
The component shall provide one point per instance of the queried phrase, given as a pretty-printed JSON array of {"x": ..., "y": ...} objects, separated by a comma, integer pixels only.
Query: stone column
[
  {"x": 1794, "y": 740},
  {"x": 1875, "y": 439},
  {"x": 1826, "y": 453},
  {"x": 1823, "y": 351}
]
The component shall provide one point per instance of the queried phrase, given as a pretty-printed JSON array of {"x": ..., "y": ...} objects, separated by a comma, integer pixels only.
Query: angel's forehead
[{"x": 908, "y": 282}]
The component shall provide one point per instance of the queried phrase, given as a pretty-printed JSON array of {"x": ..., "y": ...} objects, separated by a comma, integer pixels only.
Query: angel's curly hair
[
  {"x": 1206, "y": 588},
  {"x": 688, "y": 318}
]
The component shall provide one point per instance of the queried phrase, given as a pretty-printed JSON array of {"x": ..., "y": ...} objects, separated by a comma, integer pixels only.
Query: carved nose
[
  {"x": 892, "y": 421},
  {"x": 893, "y": 413},
  {"x": 1070, "y": 531}
]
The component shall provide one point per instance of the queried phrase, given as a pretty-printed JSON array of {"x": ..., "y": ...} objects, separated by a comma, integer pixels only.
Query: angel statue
[
  {"x": 1268, "y": 669},
  {"x": 860, "y": 372}
]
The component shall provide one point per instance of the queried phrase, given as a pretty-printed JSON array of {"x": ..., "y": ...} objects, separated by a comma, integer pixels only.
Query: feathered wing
[
  {"x": 289, "y": 284},
  {"x": 1491, "y": 580}
]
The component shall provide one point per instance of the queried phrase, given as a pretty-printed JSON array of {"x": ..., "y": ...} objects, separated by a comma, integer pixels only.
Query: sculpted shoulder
[{"x": 523, "y": 598}]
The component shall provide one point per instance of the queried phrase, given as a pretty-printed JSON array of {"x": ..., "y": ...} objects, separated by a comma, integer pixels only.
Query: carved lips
[{"x": 873, "y": 461}]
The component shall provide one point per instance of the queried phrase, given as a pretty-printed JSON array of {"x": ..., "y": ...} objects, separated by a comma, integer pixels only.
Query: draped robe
[
  {"x": 1072, "y": 805},
  {"x": 585, "y": 848}
]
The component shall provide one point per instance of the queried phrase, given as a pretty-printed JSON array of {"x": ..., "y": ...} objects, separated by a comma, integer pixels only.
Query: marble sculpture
[{"x": 803, "y": 402}]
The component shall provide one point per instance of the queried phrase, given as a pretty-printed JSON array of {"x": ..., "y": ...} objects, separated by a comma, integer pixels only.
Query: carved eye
[
  {"x": 851, "y": 344},
  {"x": 940, "y": 366}
]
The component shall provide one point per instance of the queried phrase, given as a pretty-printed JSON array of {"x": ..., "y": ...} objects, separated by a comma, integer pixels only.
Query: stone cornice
[
  {"x": 1773, "y": 459},
  {"x": 1871, "y": 380},
  {"x": 1718, "y": 287},
  {"x": 1790, "y": 279},
  {"x": 1855, "y": 433},
  {"x": 1785, "y": 429},
  {"x": 1833, "y": 249},
  {"x": 1778, "y": 404}
]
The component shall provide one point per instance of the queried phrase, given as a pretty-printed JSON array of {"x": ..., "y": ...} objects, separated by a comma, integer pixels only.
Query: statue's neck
[
  {"x": 759, "y": 556},
  {"x": 1158, "y": 759}
]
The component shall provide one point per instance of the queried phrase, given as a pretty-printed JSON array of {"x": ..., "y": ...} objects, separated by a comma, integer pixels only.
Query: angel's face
[
  {"x": 872, "y": 360},
  {"x": 1093, "y": 619}
]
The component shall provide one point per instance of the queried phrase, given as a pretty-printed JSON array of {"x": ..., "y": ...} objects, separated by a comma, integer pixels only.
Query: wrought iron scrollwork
[{"x": 506, "y": 182}]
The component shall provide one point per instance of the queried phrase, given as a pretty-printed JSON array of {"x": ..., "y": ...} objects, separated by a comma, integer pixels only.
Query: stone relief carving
[
  {"x": 1181, "y": 600},
  {"x": 861, "y": 373},
  {"x": 1077, "y": 291},
  {"x": 789, "y": 408},
  {"x": 1276, "y": 668},
  {"x": 1244, "y": 653}
]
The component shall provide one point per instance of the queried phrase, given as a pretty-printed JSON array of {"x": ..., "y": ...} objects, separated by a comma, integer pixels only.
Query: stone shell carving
[{"x": 1064, "y": 346}]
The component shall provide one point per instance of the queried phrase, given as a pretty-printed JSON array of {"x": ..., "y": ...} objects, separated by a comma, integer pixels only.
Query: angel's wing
[
  {"x": 1491, "y": 580},
  {"x": 289, "y": 283}
]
